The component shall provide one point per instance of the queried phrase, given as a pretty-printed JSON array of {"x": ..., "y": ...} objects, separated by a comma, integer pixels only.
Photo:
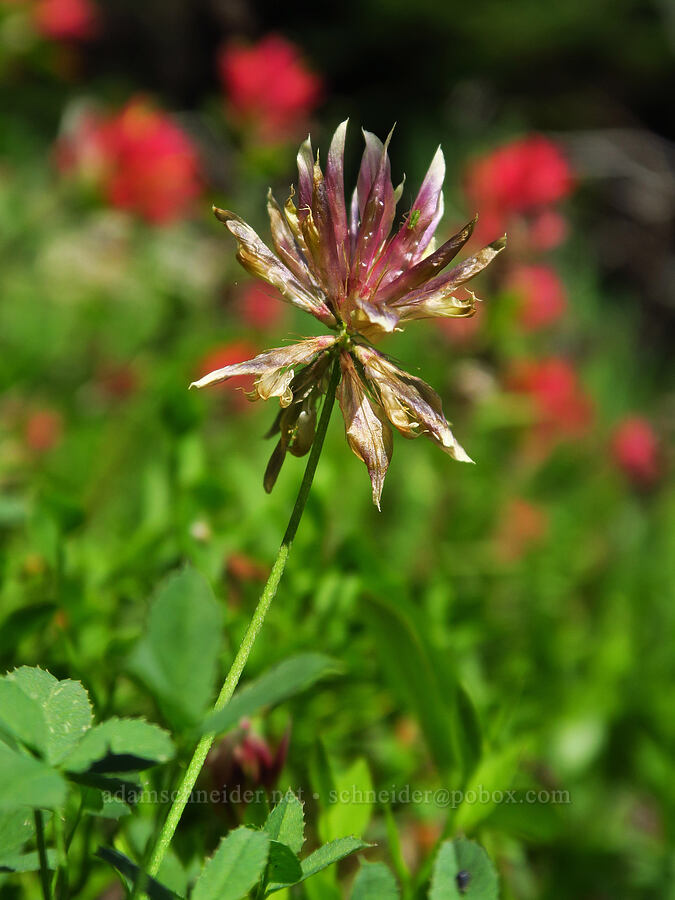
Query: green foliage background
[{"x": 462, "y": 667}]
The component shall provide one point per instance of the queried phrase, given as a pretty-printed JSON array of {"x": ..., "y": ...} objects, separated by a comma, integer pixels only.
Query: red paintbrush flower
[
  {"x": 561, "y": 405},
  {"x": 268, "y": 86},
  {"x": 66, "y": 20},
  {"x": 139, "y": 158},
  {"x": 521, "y": 180},
  {"x": 635, "y": 451},
  {"x": 259, "y": 307},
  {"x": 540, "y": 294}
]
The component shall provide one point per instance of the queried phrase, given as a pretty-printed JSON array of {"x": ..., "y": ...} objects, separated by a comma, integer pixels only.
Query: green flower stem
[
  {"x": 42, "y": 854},
  {"x": 256, "y": 623}
]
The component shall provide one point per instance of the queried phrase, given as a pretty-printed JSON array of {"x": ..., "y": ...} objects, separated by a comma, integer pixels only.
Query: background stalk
[
  {"x": 42, "y": 854},
  {"x": 256, "y": 623}
]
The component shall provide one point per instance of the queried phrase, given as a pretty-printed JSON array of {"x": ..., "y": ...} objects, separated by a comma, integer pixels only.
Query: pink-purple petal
[
  {"x": 305, "y": 160},
  {"x": 416, "y": 232},
  {"x": 443, "y": 285},
  {"x": 376, "y": 220},
  {"x": 335, "y": 195},
  {"x": 427, "y": 268}
]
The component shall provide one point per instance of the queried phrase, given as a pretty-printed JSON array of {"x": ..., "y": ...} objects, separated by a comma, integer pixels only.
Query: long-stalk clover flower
[{"x": 363, "y": 281}]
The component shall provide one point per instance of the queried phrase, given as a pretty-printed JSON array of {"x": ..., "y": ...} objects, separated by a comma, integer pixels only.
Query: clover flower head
[{"x": 362, "y": 280}]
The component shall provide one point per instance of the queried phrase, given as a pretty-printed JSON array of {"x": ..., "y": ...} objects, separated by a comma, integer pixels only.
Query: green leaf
[
  {"x": 25, "y": 781},
  {"x": 16, "y": 828},
  {"x": 350, "y": 807},
  {"x": 236, "y": 866},
  {"x": 468, "y": 729},
  {"x": 321, "y": 773},
  {"x": 130, "y": 870},
  {"x": 331, "y": 853},
  {"x": 97, "y": 803},
  {"x": 494, "y": 774},
  {"x": 374, "y": 881},
  {"x": 286, "y": 823},
  {"x": 26, "y": 862},
  {"x": 21, "y": 718},
  {"x": 463, "y": 871},
  {"x": 177, "y": 657},
  {"x": 409, "y": 668},
  {"x": 115, "y": 790},
  {"x": 279, "y": 683},
  {"x": 120, "y": 745},
  {"x": 283, "y": 866},
  {"x": 323, "y": 857},
  {"x": 65, "y": 707}
]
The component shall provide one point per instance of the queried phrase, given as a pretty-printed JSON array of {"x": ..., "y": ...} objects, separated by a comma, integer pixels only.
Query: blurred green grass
[{"x": 563, "y": 646}]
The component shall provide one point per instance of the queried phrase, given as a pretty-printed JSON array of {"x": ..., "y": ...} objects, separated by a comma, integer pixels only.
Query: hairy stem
[{"x": 256, "y": 623}]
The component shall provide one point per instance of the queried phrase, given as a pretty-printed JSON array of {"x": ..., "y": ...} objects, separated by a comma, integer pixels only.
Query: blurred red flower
[
  {"x": 522, "y": 177},
  {"x": 66, "y": 20},
  {"x": 547, "y": 229},
  {"x": 117, "y": 380},
  {"x": 259, "y": 307},
  {"x": 43, "y": 430},
  {"x": 562, "y": 406},
  {"x": 635, "y": 450},
  {"x": 268, "y": 86},
  {"x": 540, "y": 293},
  {"x": 140, "y": 158},
  {"x": 226, "y": 355},
  {"x": 522, "y": 525}
]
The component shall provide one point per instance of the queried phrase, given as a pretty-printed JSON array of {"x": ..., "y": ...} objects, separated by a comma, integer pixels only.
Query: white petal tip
[{"x": 463, "y": 456}]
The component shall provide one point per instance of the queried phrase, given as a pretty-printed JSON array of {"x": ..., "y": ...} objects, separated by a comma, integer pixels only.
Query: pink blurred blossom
[
  {"x": 540, "y": 293},
  {"x": 259, "y": 307},
  {"x": 66, "y": 20},
  {"x": 521, "y": 180},
  {"x": 269, "y": 87},
  {"x": 547, "y": 230},
  {"x": 562, "y": 407},
  {"x": 635, "y": 451},
  {"x": 141, "y": 160}
]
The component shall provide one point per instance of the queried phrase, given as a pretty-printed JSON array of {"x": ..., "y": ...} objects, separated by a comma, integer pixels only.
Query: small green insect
[{"x": 414, "y": 217}]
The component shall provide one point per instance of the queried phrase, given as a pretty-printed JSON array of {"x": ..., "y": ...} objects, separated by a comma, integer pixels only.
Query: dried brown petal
[
  {"x": 273, "y": 368},
  {"x": 274, "y": 465},
  {"x": 256, "y": 257},
  {"x": 410, "y": 404},
  {"x": 287, "y": 247},
  {"x": 373, "y": 320},
  {"x": 368, "y": 433}
]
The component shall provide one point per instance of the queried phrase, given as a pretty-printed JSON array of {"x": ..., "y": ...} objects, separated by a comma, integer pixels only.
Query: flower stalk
[{"x": 252, "y": 632}]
